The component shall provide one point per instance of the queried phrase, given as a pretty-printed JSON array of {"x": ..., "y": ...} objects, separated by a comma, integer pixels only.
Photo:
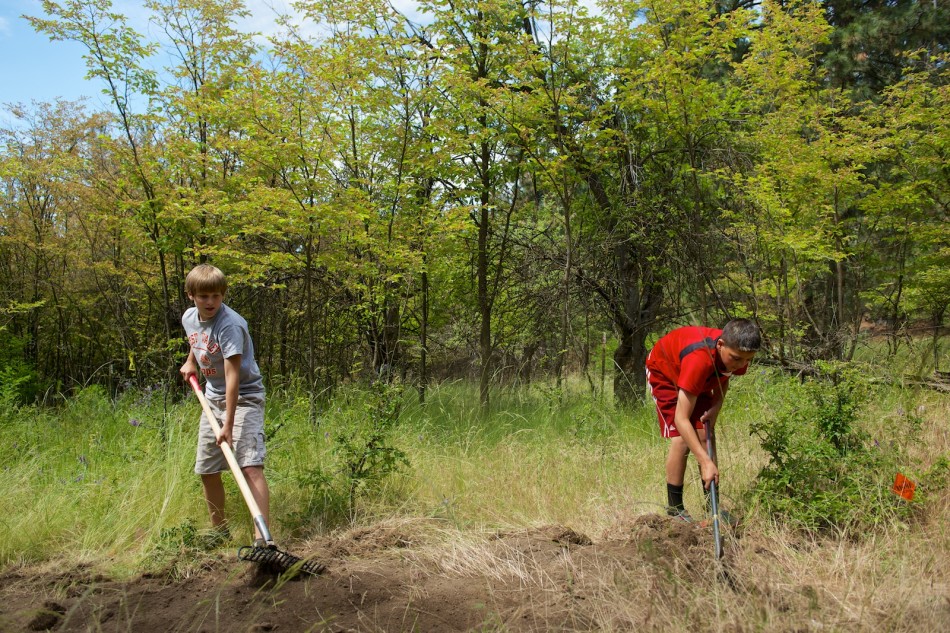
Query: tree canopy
[{"x": 483, "y": 193}]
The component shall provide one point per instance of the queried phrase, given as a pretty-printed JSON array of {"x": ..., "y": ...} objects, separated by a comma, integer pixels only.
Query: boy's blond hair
[{"x": 205, "y": 278}]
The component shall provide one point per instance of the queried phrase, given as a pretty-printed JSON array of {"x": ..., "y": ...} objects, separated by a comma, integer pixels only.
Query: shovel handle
[
  {"x": 256, "y": 513},
  {"x": 713, "y": 497}
]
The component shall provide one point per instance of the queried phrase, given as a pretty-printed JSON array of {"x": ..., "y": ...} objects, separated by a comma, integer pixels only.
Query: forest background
[
  {"x": 506, "y": 191},
  {"x": 454, "y": 239}
]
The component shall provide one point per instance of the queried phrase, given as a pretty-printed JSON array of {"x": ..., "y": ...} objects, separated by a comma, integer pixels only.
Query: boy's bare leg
[
  {"x": 258, "y": 485},
  {"x": 214, "y": 497},
  {"x": 676, "y": 461},
  {"x": 676, "y": 458}
]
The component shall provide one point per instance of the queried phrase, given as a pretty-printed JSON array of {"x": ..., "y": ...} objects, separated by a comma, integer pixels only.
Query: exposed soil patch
[{"x": 416, "y": 576}]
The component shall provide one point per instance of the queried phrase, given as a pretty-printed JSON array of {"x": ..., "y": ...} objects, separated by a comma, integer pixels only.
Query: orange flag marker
[{"x": 904, "y": 487}]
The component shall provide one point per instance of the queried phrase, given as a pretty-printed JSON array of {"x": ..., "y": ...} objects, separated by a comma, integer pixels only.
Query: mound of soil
[{"x": 392, "y": 577}]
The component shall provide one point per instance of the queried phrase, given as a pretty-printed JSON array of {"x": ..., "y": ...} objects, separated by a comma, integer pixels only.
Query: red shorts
[{"x": 665, "y": 395}]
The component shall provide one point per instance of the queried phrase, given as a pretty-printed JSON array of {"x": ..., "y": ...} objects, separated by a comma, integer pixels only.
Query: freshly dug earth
[{"x": 648, "y": 572}]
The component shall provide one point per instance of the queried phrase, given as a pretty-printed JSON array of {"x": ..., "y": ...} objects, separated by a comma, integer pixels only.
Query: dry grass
[{"x": 888, "y": 579}]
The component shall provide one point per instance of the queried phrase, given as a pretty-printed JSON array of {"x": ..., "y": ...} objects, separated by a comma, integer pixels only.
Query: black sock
[{"x": 674, "y": 498}]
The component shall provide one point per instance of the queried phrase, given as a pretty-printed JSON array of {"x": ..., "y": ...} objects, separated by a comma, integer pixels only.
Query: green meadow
[{"x": 111, "y": 481}]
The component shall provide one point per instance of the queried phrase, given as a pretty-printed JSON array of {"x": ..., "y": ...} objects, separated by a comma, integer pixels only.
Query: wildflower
[
  {"x": 135, "y": 422},
  {"x": 83, "y": 460}
]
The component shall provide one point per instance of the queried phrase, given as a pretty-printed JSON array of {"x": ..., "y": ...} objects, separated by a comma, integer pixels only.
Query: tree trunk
[
  {"x": 630, "y": 367},
  {"x": 484, "y": 303},
  {"x": 638, "y": 302},
  {"x": 424, "y": 333}
]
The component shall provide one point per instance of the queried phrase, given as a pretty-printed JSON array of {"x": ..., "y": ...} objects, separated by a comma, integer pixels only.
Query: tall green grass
[
  {"x": 112, "y": 481},
  {"x": 94, "y": 478}
]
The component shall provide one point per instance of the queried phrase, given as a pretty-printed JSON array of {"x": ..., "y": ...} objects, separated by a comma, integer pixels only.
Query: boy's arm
[
  {"x": 685, "y": 404},
  {"x": 232, "y": 389}
]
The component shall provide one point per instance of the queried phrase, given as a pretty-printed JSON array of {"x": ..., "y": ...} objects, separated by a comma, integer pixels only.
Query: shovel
[
  {"x": 724, "y": 574},
  {"x": 713, "y": 497},
  {"x": 273, "y": 559}
]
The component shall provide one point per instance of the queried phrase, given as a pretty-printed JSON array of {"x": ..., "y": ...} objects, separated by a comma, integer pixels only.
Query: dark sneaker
[{"x": 679, "y": 514}]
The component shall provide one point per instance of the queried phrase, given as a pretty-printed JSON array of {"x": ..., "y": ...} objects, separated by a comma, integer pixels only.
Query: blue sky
[{"x": 35, "y": 69}]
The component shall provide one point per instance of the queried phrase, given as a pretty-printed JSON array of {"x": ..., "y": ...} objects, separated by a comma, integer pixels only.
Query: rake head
[{"x": 278, "y": 561}]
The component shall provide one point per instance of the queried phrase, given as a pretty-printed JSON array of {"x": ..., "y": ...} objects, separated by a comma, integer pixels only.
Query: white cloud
[
  {"x": 264, "y": 14},
  {"x": 409, "y": 8},
  {"x": 262, "y": 19}
]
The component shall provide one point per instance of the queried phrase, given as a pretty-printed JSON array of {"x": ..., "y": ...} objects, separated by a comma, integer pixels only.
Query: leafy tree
[
  {"x": 476, "y": 42},
  {"x": 198, "y": 123},
  {"x": 908, "y": 208},
  {"x": 796, "y": 242},
  {"x": 116, "y": 55},
  {"x": 384, "y": 194},
  {"x": 866, "y": 46},
  {"x": 661, "y": 118},
  {"x": 51, "y": 244}
]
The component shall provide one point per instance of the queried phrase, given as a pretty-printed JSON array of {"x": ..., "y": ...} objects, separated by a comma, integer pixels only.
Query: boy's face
[
  {"x": 734, "y": 359},
  {"x": 208, "y": 304}
]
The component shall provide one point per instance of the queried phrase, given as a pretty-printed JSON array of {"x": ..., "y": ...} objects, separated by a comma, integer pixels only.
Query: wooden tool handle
[{"x": 232, "y": 463}]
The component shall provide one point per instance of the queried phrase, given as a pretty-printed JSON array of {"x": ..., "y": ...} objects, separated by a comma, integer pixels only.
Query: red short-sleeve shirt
[{"x": 686, "y": 358}]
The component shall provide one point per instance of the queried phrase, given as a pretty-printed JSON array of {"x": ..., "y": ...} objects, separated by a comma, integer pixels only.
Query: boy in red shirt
[{"x": 688, "y": 370}]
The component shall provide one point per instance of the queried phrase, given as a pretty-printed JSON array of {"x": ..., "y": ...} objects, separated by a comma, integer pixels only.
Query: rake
[{"x": 269, "y": 557}]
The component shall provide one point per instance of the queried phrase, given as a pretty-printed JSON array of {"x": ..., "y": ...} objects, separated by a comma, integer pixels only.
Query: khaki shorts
[{"x": 247, "y": 438}]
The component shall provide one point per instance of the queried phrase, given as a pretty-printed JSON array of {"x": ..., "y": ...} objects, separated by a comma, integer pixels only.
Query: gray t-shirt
[{"x": 222, "y": 337}]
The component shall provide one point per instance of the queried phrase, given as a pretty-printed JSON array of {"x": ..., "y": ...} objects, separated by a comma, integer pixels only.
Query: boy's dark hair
[
  {"x": 205, "y": 278},
  {"x": 742, "y": 334}
]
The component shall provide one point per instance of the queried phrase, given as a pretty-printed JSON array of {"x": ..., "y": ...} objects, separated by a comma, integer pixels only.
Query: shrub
[
  {"x": 18, "y": 380},
  {"x": 824, "y": 472},
  {"x": 361, "y": 430},
  {"x": 363, "y": 442}
]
